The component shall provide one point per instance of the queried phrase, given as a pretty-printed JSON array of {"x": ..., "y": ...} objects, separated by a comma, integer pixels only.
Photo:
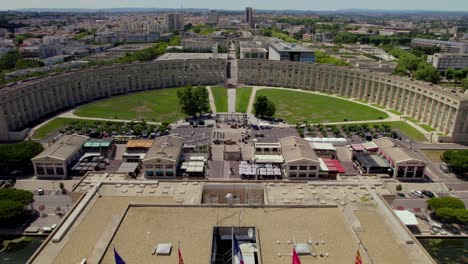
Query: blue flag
[
  {"x": 237, "y": 251},
  {"x": 118, "y": 259}
]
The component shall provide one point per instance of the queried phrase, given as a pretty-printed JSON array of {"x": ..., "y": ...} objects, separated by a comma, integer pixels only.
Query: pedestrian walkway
[
  {"x": 212, "y": 102},
  {"x": 231, "y": 100}
]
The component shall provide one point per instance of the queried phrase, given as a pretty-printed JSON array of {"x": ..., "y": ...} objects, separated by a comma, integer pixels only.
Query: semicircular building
[{"x": 25, "y": 103}]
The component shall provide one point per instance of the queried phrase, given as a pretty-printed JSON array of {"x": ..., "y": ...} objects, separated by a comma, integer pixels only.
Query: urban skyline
[{"x": 450, "y": 5}]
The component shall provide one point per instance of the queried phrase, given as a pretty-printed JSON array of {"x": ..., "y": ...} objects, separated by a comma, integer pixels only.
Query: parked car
[
  {"x": 428, "y": 193},
  {"x": 402, "y": 195},
  {"x": 436, "y": 225},
  {"x": 451, "y": 228},
  {"x": 417, "y": 193},
  {"x": 40, "y": 191},
  {"x": 445, "y": 168}
]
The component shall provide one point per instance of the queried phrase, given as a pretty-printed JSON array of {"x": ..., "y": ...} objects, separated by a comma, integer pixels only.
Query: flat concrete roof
[
  {"x": 64, "y": 148},
  {"x": 133, "y": 216},
  {"x": 191, "y": 56},
  {"x": 135, "y": 239},
  {"x": 289, "y": 47}
]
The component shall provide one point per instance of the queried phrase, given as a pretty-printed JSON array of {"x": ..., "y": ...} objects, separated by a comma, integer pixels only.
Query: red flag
[
  {"x": 181, "y": 260},
  {"x": 295, "y": 259},
  {"x": 358, "y": 258}
]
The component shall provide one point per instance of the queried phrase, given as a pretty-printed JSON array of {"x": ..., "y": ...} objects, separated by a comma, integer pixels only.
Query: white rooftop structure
[
  {"x": 269, "y": 159},
  {"x": 333, "y": 141},
  {"x": 407, "y": 217},
  {"x": 323, "y": 146}
]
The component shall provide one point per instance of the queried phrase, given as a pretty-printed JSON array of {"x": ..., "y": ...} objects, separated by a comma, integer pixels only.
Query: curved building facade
[
  {"x": 25, "y": 103},
  {"x": 432, "y": 105}
]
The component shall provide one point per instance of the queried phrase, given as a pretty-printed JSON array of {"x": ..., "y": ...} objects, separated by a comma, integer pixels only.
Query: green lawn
[
  {"x": 51, "y": 127},
  {"x": 395, "y": 112},
  {"x": 433, "y": 154},
  {"x": 221, "y": 98},
  {"x": 428, "y": 128},
  {"x": 296, "y": 107},
  {"x": 156, "y": 105},
  {"x": 242, "y": 99},
  {"x": 407, "y": 130}
]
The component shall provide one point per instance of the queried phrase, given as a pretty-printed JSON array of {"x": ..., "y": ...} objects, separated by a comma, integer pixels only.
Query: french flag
[
  {"x": 118, "y": 259},
  {"x": 236, "y": 250}
]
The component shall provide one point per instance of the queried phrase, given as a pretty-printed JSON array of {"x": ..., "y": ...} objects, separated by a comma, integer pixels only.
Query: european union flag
[{"x": 118, "y": 259}]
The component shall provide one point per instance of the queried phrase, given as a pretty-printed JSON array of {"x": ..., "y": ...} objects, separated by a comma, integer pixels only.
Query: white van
[
  {"x": 436, "y": 225},
  {"x": 417, "y": 193}
]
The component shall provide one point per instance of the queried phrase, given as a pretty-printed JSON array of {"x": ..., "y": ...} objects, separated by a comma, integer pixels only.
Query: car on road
[
  {"x": 452, "y": 229},
  {"x": 428, "y": 193},
  {"x": 402, "y": 195},
  {"x": 417, "y": 193},
  {"x": 40, "y": 191}
]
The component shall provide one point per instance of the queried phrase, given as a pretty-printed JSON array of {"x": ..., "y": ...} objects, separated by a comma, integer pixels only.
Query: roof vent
[{"x": 163, "y": 249}]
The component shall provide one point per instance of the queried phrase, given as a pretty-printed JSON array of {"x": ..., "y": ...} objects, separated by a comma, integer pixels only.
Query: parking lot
[{"x": 272, "y": 135}]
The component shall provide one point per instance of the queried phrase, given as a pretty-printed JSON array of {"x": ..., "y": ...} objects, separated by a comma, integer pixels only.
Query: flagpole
[{"x": 232, "y": 244}]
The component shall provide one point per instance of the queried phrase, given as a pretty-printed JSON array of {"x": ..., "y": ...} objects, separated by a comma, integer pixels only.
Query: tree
[
  {"x": 458, "y": 75},
  {"x": 445, "y": 202},
  {"x": 449, "y": 73},
  {"x": 8, "y": 61},
  {"x": 445, "y": 214},
  {"x": 26, "y": 64},
  {"x": 457, "y": 159},
  {"x": 263, "y": 107},
  {"x": 465, "y": 84},
  {"x": 461, "y": 215},
  {"x": 399, "y": 188},
  {"x": 20, "y": 196},
  {"x": 13, "y": 203},
  {"x": 18, "y": 156},
  {"x": 194, "y": 100},
  {"x": 10, "y": 210},
  {"x": 427, "y": 72}
]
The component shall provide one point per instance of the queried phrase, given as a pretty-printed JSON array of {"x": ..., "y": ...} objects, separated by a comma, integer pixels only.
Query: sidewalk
[
  {"x": 212, "y": 102},
  {"x": 231, "y": 100}
]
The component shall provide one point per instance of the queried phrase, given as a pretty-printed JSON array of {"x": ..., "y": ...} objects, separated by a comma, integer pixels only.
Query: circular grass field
[
  {"x": 297, "y": 107},
  {"x": 156, "y": 105}
]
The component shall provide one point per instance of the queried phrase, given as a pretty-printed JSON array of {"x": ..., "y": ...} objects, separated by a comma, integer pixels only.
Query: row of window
[
  {"x": 159, "y": 174},
  {"x": 49, "y": 170},
  {"x": 302, "y": 168},
  {"x": 302, "y": 175},
  {"x": 159, "y": 166}
]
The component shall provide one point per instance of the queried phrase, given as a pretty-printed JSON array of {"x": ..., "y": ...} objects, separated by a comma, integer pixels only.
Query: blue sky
[{"x": 455, "y": 5}]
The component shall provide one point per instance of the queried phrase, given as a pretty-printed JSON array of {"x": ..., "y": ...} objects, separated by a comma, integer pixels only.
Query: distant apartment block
[
  {"x": 249, "y": 16},
  {"x": 290, "y": 52},
  {"x": 54, "y": 40},
  {"x": 253, "y": 50},
  {"x": 443, "y": 61},
  {"x": 199, "y": 44},
  {"x": 323, "y": 37},
  {"x": 213, "y": 18},
  {"x": 445, "y": 46},
  {"x": 173, "y": 22}
]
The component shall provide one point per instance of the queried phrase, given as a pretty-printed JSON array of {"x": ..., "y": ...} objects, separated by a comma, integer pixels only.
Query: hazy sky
[{"x": 455, "y": 5}]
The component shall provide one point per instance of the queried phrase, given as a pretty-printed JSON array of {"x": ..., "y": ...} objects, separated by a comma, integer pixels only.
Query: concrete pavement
[
  {"x": 231, "y": 100},
  {"x": 211, "y": 98}
]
